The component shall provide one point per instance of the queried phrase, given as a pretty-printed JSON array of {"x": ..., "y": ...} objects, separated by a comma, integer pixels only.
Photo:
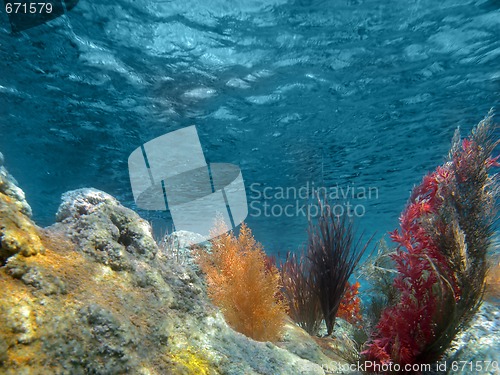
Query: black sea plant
[
  {"x": 333, "y": 252},
  {"x": 299, "y": 290}
]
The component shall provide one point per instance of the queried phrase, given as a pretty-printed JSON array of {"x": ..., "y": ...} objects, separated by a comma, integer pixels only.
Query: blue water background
[{"x": 358, "y": 93}]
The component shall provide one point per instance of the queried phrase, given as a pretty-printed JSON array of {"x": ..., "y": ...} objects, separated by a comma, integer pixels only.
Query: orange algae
[{"x": 243, "y": 285}]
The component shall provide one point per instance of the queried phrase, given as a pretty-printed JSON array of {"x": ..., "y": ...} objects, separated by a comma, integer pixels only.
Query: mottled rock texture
[
  {"x": 102, "y": 228},
  {"x": 18, "y": 234},
  {"x": 9, "y": 188}
]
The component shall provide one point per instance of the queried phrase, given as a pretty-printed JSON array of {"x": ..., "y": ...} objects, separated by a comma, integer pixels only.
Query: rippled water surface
[{"x": 360, "y": 94}]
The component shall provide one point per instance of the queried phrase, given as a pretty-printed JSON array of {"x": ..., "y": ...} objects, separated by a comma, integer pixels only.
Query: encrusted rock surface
[
  {"x": 18, "y": 234},
  {"x": 8, "y": 187},
  {"x": 101, "y": 227}
]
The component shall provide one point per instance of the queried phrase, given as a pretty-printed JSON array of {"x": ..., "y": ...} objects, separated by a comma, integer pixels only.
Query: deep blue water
[{"x": 358, "y": 93}]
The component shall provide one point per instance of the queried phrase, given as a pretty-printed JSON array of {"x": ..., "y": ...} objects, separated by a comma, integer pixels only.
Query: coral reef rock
[
  {"x": 18, "y": 234},
  {"x": 103, "y": 228},
  {"x": 9, "y": 188},
  {"x": 93, "y": 294}
]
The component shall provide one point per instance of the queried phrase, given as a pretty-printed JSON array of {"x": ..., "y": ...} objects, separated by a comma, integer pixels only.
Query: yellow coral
[{"x": 191, "y": 362}]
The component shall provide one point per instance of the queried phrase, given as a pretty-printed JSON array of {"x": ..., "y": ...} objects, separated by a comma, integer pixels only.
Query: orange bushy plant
[
  {"x": 350, "y": 309},
  {"x": 243, "y": 285}
]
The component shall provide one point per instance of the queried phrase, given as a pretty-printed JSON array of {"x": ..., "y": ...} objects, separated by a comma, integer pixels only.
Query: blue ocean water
[{"x": 356, "y": 96}]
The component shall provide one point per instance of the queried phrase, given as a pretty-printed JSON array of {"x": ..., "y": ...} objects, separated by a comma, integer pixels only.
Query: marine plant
[
  {"x": 298, "y": 288},
  {"x": 243, "y": 284},
  {"x": 350, "y": 305},
  {"x": 334, "y": 252},
  {"x": 378, "y": 270},
  {"x": 316, "y": 282},
  {"x": 303, "y": 302},
  {"x": 445, "y": 233}
]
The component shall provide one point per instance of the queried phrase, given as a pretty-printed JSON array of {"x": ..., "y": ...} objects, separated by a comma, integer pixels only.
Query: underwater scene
[{"x": 249, "y": 187}]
